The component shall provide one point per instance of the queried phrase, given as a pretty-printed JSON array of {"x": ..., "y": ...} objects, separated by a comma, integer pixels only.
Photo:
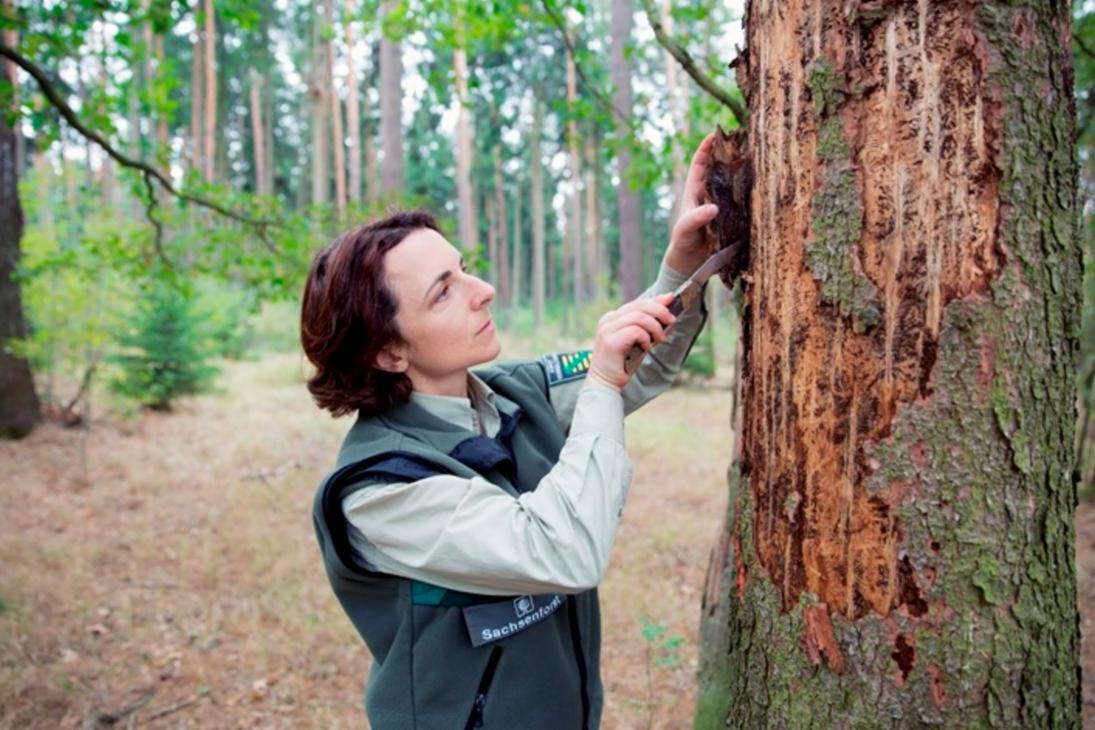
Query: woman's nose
[{"x": 483, "y": 294}]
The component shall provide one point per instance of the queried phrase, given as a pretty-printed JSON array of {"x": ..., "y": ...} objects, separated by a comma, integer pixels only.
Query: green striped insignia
[{"x": 566, "y": 366}]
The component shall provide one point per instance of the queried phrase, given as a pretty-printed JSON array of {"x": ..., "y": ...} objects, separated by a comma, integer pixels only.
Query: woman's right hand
[{"x": 643, "y": 322}]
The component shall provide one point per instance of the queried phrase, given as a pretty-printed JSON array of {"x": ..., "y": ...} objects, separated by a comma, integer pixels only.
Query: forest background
[{"x": 551, "y": 140}]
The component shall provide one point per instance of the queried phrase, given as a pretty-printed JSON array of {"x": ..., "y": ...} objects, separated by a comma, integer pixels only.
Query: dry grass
[{"x": 178, "y": 567}]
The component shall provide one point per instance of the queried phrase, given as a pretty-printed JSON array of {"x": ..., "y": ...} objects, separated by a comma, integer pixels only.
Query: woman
[{"x": 471, "y": 514}]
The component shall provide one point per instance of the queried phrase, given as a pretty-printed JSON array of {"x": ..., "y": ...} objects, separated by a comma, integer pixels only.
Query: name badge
[{"x": 489, "y": 622}]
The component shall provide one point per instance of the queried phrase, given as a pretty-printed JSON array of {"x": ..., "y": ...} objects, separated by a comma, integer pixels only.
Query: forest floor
[
  {"x": 160, "y": 570},
  {"x": 168, "y": 561}
]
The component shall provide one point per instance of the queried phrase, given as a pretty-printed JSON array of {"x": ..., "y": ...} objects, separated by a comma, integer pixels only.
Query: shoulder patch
[{"x": 565, "y": 366}]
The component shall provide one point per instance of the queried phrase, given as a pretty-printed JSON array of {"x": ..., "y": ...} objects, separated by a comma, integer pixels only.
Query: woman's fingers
[
  {"x": 696, "y": 219},
  {"x": 643, "y": 320},
  {"x": 697, "y": 171}
]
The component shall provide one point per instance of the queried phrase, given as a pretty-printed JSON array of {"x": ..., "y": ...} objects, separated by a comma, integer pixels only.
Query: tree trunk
[
  {"x": 537, "y": 192},
  {"x": 372, "y": 180},
  {"x": 19, "y": 407},
  {"x": 678, "y": 112},
  {"x": 629, "y": 213},
  {"x": 899, "y": 545},
  {"x": 594, "y": 253},
  {"x": 338, "y": 138},
  {"x": 353, "y": 116},
  {"x": 197, "y": 105},
  {"x": 503, "y": 238},
  {"x": 492, "y": 240},
  {"x": 574, "y": 224},
  {"x": 257, "y": 137},
  {"x": 319, "y": 91},
  {"x": 210, "y": 66},
  {"x": 516, "y": 278},
  {"x": 391, "y": 113},
  {"x": 465, "y": 192}
]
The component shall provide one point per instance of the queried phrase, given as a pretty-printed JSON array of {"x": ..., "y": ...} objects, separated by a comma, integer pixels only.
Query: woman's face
[{"x": 443, "y": 314}]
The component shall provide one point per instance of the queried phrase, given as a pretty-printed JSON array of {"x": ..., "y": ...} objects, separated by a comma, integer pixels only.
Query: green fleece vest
[{"x": 426, "y": 672}]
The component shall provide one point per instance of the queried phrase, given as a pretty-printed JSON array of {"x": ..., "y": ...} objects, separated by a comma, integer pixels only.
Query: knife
[{"x": 685, "y": 296}]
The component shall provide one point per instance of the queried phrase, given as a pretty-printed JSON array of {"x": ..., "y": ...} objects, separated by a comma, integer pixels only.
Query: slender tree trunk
[
  {"x": 678, "y": 112},
  {"x": 320, "y": 89},
  {"x": 197, "y": 104},
  {"x": 518, "y": 256},
  {"x": 391, "y": 112},
  {"x": 258, "y": 140},
  {"x": 19, "y": 407},
  {"x": 338, "y": 138},
  {"x": 537, "y": 192},
  {"x": 465, "y": 191},
  {"x": 594, "y": 253},
  {"x": 161, "y": 118},
  {"x": 629, "y": 212},
  {"x": 353, "y": 115},
  {"x": 574, "y": 224},
  {"x": 503, "y": 239},
  {"x": 899, "y": 548},
  {"x": 372, "y": 180},
  {"x": 492, "y": 239},
  {"x": 209, "y": 149}
]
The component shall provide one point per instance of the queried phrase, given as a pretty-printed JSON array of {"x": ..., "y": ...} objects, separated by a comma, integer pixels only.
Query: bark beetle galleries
[{"x": 876, "y": 150}]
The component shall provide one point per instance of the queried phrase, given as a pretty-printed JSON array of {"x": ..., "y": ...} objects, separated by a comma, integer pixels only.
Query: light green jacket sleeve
[{"x": 660, "y": 367}]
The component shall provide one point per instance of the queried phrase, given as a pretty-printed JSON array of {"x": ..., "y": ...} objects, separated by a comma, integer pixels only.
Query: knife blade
[{"x": 686, "y": 295}]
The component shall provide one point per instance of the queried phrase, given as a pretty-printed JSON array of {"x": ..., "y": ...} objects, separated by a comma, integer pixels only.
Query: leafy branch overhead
[
  {"x": 684, "y": 58},
  {"x": 147, "y": 171}
]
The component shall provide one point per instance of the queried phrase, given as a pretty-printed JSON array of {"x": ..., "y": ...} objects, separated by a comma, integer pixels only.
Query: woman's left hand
[{"x": 686, "y": 245}]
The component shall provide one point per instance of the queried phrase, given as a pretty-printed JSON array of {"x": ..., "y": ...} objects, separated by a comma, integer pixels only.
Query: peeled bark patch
[{"x": 909, "y": 339}]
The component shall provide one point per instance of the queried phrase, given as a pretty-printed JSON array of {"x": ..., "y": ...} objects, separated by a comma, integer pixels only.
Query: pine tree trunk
[
  {"x": 353, "y": 115},
  {"x": 492, "y": 240},
  {"x": 465, "y": 192},
  {"x": 537, "y": 192},
  {"x": 338, "y": 138},
  {"x": 209, "y": 124},
  {"x": 19, "y": 407},
  {"x": 11, "y": 39},
  {"x": 257, "y": 136},
  {"x": 391, "y": 113},
  {"x": 574, "y": 224},
  {"x": 197, "y": 105},
  {"x": 628, "y": 211},
  {"x": 320, "y": 89},
  {"x": 899, "y": 545},
  {"x": 518, "y": 275},
  {"x": 372, "y": 180},
  {"x": 503, "y": 238},
  {"x": 594, "y": 253}
]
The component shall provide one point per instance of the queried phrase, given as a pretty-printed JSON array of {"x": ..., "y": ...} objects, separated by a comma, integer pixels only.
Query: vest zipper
[
  {"x": 475, "y": 719},
  {"x": 580, "y": 657}
]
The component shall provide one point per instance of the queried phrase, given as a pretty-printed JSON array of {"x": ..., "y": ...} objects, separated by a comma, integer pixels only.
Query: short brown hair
[{"x": 347, "y": 317}]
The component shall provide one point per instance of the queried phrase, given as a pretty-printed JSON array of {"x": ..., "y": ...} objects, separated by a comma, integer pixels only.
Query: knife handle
[{"x": 684, "y": 296}]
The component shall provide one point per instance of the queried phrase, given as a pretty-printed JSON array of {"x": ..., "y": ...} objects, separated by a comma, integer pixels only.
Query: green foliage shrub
[
  {"x": 165, "y": 353},
  {"x": 701, "y": 359}
]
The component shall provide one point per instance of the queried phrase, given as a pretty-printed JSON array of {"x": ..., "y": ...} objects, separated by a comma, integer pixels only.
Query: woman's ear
[{"x": 393, "y": 358}]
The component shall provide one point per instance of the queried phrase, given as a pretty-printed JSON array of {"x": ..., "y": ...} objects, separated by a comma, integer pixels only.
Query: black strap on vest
[{"x": 482, "y": 454}]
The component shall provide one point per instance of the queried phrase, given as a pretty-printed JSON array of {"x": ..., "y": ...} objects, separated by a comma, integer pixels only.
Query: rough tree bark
[
  {"x": 19, "y": 407},
  {"x": 899, "y": 544}
]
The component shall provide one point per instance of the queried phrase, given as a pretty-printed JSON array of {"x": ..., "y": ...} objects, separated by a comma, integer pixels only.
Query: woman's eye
[{"x": 444, "y": 294}]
